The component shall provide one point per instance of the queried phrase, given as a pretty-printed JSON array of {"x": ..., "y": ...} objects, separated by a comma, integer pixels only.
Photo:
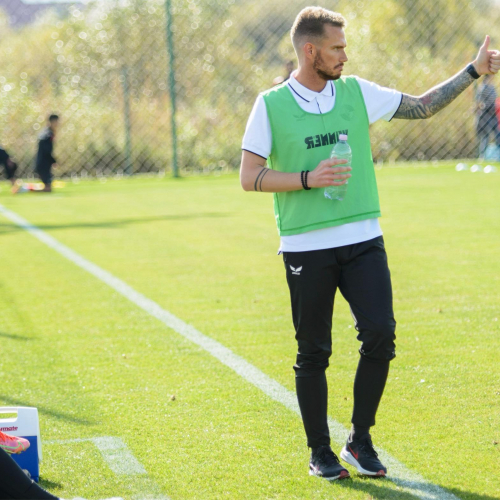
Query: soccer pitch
[{"x": 105, "y": 372}]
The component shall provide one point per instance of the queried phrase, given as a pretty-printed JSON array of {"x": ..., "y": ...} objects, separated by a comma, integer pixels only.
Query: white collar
[{"x": 307, "y": 94}]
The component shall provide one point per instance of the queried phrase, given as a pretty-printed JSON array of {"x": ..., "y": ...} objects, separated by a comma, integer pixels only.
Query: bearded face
[
  {"x": 330, "y": 55},
  {"x": 322, "y": 69}
]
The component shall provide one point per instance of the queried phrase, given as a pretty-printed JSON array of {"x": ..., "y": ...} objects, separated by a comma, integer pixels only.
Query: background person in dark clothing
[
  {"x": 9, "y": 166},
  {"x": 44, "y": 158},
  {"x": 487, "y": 121}
]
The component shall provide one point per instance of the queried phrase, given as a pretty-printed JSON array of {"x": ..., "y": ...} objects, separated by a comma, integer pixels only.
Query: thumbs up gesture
[{"x": 487, "y": 61}]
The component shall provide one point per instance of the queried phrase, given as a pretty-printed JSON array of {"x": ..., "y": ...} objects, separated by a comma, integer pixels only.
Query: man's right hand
[
  {"x": 255, "y": 176},
  {"x": 328, "y": 174}
]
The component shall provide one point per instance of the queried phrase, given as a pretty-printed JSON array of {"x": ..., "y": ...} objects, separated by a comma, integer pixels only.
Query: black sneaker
[
  {"x": 324, "y": 463},
  {"x": 361, "y": 454}
]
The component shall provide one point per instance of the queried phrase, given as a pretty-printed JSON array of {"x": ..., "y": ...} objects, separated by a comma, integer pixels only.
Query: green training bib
[{"x": 300, "y": 140}]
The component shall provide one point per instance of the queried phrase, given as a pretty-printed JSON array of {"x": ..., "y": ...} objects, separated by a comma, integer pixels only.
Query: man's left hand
[{"x": 487, "y": 61}]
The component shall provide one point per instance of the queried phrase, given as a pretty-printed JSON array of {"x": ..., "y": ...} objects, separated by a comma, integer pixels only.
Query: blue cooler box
[{"x": 25, "y": 425}]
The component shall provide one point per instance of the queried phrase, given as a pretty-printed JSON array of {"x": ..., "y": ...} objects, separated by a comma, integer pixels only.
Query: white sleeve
[
  {"x": 258, "y": 136},
  {"x": 381, "y": 102}
]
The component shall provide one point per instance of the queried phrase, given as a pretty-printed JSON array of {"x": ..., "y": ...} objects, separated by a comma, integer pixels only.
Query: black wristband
[
  {"x": 472, "y": 71},
  {"x": 302, "y": 179},
  {"x": 306, "y": 187}
]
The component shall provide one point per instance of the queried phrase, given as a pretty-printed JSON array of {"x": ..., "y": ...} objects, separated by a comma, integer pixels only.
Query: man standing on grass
[
  {"x": 44, "y": 158},
  {"x": 334, "y": 244}
]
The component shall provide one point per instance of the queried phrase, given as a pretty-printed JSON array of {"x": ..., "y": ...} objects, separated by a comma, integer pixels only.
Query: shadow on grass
[
  {"x": 468, "y": 495},
  {"x": 15, "y": 337},
  {"x": 376, "y": 488},
  {"x": 47, "y": 484},
  {"x": 379, "y": 489},
  {"x": 10, "y": 228},
  {"x": 47, "y": 411}
]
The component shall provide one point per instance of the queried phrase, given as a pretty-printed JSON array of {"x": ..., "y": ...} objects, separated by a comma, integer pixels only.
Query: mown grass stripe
[
  {"x": 411, "y": 482},
  {"x": 121, "y": 461}
]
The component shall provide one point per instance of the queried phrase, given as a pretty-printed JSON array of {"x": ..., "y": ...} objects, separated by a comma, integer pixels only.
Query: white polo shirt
[{"x": 381, "y": 103}]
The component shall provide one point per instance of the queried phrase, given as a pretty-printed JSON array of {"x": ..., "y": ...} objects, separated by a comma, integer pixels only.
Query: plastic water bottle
[{"x": 341, "y": 151}]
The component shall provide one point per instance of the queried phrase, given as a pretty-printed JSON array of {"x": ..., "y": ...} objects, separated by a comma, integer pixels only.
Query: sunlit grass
[{"x": 95, "y": 365}]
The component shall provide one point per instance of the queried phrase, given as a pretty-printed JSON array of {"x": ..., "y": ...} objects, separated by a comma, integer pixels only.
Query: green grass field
[{"x": 96, "y": 365}]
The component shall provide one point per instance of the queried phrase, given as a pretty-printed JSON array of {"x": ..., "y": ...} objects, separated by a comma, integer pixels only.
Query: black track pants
[
  {"x": 15, "y": 484},
  {"x": 361, "y": 273}
]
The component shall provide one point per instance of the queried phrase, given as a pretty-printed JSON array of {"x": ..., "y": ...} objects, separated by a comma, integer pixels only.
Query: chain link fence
[{"x": 105, "y": 67}]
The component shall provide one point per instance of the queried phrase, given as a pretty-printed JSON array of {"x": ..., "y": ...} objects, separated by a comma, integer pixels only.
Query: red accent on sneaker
[
  {"x": 380, "y": 473},
  {"x": 355, "y": 455},
  {"x": 344, "y": 474}
]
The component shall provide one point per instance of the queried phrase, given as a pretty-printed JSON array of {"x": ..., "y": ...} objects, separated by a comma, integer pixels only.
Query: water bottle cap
[{"x": 342, "y": 137}]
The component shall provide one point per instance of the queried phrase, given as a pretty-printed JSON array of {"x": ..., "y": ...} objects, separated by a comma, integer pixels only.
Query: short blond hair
[{"x": 310, "y": 24}]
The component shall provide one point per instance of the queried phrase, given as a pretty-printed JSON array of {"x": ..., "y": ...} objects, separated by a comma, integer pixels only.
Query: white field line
[
  {"x": 114, "y": 452},
  {"x": 409, "y": 481},
  {"x": 122, "y": 462}
]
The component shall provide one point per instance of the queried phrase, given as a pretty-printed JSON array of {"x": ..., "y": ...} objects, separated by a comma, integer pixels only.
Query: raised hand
[{"x": 487, "y": 61}]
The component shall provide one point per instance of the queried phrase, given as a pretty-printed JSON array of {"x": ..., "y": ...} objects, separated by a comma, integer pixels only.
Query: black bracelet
[
  {"x": 472, "y": 71},
  {"x": 306, "y": 187},
  {"x": 302, "y": 179}
]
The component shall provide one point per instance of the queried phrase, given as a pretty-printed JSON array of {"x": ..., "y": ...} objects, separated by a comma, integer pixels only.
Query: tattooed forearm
[
  {"x": 261, "y": 175},
  {"x": 434, "y": 100}
]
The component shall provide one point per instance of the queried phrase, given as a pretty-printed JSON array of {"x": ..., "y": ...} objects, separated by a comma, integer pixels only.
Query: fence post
[
  {"x": 126, "y": 111},
  {"x": 170, "y": 46}
]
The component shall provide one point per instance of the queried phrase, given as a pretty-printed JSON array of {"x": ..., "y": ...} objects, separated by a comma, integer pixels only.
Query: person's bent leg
[
  {"x": 312, "y": 280},
  {"x": 14, "y": 484},
  {"x": 365, "y": 282}
]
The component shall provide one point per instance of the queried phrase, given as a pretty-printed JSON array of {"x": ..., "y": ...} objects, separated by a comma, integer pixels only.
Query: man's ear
[{"x": 309, "y": 50}]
